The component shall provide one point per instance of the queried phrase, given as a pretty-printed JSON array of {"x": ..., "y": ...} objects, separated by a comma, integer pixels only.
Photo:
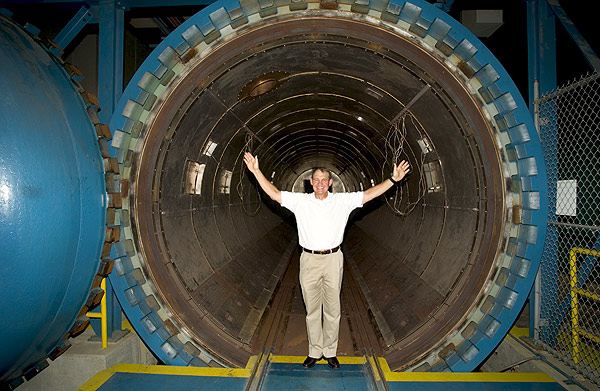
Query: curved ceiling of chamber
[{"x": 444, "y": 262}]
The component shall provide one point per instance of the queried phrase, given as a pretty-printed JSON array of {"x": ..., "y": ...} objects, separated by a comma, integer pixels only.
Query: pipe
[{"x": 445, "y": 266}]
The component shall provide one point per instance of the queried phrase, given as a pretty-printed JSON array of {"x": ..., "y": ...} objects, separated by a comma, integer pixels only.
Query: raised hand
[
  {"x": 269, "y": 188},
  {"x": 400, "y": 170},
  {"x": 251, "y": 162}
]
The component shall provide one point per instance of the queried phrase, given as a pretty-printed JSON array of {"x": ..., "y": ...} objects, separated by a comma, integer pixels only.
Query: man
[{"x": 321, "y": 218}]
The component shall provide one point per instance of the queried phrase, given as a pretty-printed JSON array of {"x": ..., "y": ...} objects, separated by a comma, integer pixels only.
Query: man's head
[{"x": 321, "y": 181}]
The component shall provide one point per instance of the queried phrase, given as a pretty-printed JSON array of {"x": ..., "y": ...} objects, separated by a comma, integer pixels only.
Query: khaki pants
[{"x": 321, "y": 282}]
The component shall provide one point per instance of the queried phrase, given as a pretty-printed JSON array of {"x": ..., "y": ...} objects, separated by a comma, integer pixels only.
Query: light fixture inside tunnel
[
  {"x": 193, "y": 178},
  {"x": 209, "y": 148},
  {"x": 324, "y": 88}
]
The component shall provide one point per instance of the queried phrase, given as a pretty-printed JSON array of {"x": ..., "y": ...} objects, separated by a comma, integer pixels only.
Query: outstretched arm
[
  {"x": 400, "y": 171},
  {"x": 265, "y": 184}
]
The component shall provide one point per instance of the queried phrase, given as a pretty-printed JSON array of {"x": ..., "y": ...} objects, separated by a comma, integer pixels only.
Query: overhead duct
[{"x": 445, "y": 265}]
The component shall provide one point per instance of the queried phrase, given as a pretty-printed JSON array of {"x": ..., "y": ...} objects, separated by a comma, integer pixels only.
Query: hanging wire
[
  {"x": 394, "y": 152},
  {"x": 248, "y": 147}
]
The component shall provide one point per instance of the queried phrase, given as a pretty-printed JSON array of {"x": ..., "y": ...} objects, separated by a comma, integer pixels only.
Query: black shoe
[
  {"x": 333, "y": 362},
  {"x": 310, "y": 362}
]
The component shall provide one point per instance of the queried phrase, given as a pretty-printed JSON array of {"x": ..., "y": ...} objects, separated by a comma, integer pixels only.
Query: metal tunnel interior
[
  {"x": 317, "y": 88},
  {"x": 320, "y": 100},
  {"x": 324, "y": 100}
]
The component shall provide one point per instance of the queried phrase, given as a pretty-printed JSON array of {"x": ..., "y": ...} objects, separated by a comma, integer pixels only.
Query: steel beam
[
  {"x": 110, "y": 56},
  {"x": 110, "y": 88},
  {"x": 588, "y": 53},
  {"x": 541, "y": 44},
  {"x": 70, "y": 31}
]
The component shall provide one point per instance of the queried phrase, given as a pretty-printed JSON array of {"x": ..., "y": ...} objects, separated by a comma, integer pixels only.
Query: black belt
[{"x": 321, "y": 252}]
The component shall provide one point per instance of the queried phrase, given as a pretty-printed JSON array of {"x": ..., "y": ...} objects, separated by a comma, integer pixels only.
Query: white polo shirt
[{"x": 321, "y": 223}]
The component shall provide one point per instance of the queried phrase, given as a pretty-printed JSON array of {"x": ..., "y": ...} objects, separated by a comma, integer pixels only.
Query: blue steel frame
[
  {"x": 541, "y": 45},
  {"x": 541, "y": 34},
  {"x": 70, "y": 31},
  {"x": 109, "y": 15},
  {"x": 586, "y": 50},
  {"x": 514, "y": 113}
]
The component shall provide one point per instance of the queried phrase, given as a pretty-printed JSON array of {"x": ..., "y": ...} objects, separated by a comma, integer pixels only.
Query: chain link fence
[{"x": 569, "y": 326}]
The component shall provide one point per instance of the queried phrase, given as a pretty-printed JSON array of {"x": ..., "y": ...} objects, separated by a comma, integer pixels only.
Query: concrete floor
[
  {"x": 516, "y": 354},
  {"x": 86, "y": 358}
]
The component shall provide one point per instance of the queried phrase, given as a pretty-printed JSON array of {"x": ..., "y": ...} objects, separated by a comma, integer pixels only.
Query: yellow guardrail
[
  {"x": 102, "y": 315},
  {"x": 576, "y": 331}
]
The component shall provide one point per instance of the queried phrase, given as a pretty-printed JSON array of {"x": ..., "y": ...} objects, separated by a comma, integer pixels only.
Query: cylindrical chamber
[
  {"x": 52, "y": 205},
  {"x": 445, "y": 261}
]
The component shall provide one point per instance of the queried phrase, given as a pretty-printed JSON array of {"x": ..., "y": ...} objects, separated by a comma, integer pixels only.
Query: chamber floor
[{"x": 283, "y": 327}]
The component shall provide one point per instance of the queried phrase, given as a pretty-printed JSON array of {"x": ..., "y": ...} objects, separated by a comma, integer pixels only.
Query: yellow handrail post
[
  {"x": 102, "y": 316},
  {"x": 574, "y": 306}
]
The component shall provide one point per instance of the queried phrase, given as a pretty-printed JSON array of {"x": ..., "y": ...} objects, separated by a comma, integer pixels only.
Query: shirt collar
[{"x": 329, "y": 194}]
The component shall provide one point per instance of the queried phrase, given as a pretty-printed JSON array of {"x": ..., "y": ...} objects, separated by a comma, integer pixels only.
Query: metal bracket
[
  {"x": 590, "y": 56},
  {"x": 70, "y": 31}
]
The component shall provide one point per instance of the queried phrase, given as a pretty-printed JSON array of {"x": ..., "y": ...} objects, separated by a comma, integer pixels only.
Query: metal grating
[{"x": 569, "y": 121}]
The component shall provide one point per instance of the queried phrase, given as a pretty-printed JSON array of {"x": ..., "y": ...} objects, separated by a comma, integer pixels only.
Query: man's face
[{"x": 320, "y": 182}]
